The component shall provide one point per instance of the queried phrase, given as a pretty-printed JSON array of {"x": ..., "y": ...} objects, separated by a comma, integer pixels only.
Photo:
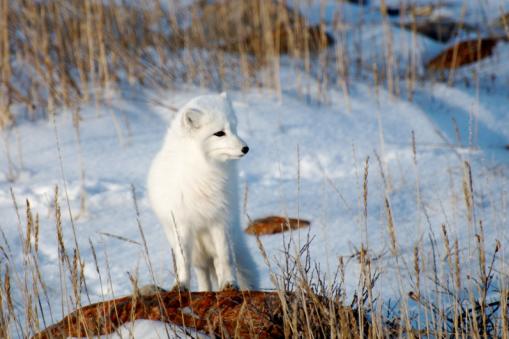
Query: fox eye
[{"x": 220, "y": 134}]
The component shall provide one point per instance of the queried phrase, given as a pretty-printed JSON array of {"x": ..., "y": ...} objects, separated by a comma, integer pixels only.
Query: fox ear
[{"x": 191, "y": 118}]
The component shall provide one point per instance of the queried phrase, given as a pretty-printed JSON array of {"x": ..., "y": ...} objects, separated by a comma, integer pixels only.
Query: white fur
[{"x": 193, "y": 189}]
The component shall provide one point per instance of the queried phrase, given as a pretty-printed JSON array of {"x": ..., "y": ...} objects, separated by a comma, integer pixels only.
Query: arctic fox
[{"x": 192, "y": 187}]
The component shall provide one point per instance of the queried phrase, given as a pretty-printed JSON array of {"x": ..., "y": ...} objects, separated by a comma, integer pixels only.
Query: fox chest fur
[{"x": 193, "y": 195}]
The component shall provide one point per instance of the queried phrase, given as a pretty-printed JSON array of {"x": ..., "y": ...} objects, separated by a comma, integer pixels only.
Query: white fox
[{"x": 192, "y": 186}]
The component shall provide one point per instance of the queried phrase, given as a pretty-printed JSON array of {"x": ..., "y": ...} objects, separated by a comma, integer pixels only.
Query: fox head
[{"x": 210, "y": 121}]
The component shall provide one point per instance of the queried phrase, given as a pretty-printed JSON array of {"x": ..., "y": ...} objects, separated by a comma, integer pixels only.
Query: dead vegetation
[
  {"x": 259, "y": 28},
  {"x": 55, "y": 55}
]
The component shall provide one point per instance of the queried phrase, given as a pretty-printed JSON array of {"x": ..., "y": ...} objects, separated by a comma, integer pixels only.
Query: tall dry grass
[{"x": 66, "y": 53}]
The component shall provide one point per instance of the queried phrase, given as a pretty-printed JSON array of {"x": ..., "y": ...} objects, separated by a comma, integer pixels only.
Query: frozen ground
[{"x": 307, "y": 159}]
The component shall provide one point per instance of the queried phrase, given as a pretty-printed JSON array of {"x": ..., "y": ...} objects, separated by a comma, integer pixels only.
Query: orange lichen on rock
[
  {"x": 210, "y": 312},
  {"x": 275, "y": 224},
  {"x": 463, "y": 53},
  {"x": 239, "y": 314}
]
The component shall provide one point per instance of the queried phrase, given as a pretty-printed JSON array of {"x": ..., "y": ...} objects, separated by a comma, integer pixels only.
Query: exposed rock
[
  {"x": 243, "y": 314},
  {"x": 358, "y": 2},
  {"x": 463, "y": 53},
  {"x": 275, "y": 224},
  {"x": 441, "y": 29},
  {"x": 413, "y": 10}
]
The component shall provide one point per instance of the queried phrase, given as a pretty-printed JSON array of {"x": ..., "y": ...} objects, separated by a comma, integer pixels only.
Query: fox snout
[{"x": 245, "y": 149}]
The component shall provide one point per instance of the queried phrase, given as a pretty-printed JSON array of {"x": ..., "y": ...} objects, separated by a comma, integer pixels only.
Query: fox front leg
[
  {"x": 181, "y": 249},
  {"x": 223, "y": 262}
]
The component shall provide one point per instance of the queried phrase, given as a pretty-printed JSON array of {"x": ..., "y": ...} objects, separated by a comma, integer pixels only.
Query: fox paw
[{"x": 230, "y": 286}]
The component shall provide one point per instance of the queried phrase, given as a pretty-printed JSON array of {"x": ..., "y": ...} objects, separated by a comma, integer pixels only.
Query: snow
[
  {"x": 149, "y": 329},
  {"x": 306, "y": 159}
]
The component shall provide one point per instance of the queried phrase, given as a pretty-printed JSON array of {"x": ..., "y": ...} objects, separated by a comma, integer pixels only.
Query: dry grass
[{"x": 65, "y": 53}]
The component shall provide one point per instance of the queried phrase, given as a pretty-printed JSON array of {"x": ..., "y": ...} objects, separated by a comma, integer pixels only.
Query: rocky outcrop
[
  {"x": 274, "y": 224},
  {"x": 240, "y": 314},
  {"x": 464, "y": 53}
]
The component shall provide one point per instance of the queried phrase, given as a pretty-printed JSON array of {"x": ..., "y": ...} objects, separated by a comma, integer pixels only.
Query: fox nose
[{"x": 245, "y": 149}]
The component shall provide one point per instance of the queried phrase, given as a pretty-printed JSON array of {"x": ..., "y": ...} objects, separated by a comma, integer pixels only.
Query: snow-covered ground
[{"x": 307, "y": 158}]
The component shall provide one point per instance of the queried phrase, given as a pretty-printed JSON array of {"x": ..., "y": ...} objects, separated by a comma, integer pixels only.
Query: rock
[
  {"x": 413, "y": 10},
  {"x": 275, "y": 224},
  {"x": 463, "y": 53},
  {"x": 240, "y": 314},
  {"x": 442, "y": 29}
]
